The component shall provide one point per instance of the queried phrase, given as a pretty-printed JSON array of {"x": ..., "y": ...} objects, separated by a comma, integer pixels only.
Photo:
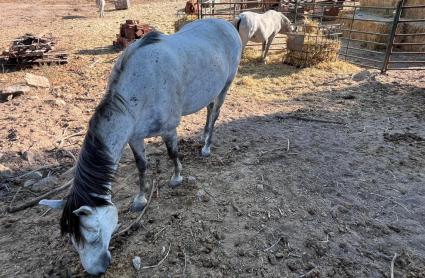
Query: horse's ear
[
  {"x": 54, "y": 204},
  {"x": 84, "y": 210}
]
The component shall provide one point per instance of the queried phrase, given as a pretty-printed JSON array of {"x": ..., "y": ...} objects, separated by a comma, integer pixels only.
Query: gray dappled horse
[
  {"x": 155, "y": 82},
  {"x": 261, "y": 28}
]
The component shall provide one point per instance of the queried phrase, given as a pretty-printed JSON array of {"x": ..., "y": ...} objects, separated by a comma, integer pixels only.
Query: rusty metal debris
[
  {"x": 130, "y": 31},
  {"x": 30, "y": 49},
  {"x": 192, "y": 7}
]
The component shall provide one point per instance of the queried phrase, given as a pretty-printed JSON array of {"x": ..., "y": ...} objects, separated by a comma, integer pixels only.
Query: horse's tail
[{"x": 237, "y": 22}]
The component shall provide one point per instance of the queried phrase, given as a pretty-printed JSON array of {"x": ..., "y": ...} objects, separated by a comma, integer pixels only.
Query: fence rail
[{"x": 394, "y": 49}]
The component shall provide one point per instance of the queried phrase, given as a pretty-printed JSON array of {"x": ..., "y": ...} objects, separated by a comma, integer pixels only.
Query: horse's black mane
[{"x": 95, "y": 170}]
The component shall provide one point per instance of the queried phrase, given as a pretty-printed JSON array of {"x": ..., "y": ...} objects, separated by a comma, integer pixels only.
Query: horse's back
[
  {"x": 258, "y": 27},
  {"x": 177, "y": 74}
]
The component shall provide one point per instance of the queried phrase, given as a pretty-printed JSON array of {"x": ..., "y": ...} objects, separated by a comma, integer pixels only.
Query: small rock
[
  {"x": 293, "y": 265},
  {"x": 279, "y": 255},
  {"x": 29, "y": 183},
  {"x": 1, "y": 155},
  {"x": 360, "y": 76},
  {"x": 56, "y": 102},
  {"x": 37, "y": 80},
  {"x": 5, "y": 172},
  {"x": 219, "y": 235},
  {"x": 137, "y": 263},
  {"x": 202, "y": 196},
  {"x": 191, "y": 180},
  {"x": 272, "y": 259},
  {"x": 16, "y": 89},
  {"x": 28, "y": 156},
  {"x": 205, "y": 250},
  {"x": 33, "y": 176},
  {"x": 44, "y": 183},
  {"x": 260, "y": 187},
  {"x": 13, "y": 91}
]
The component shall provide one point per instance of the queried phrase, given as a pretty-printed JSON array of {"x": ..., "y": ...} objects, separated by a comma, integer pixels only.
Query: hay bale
[
  {"x": 378, "y": 3},
  {"x": 413, "y": 28},
  {"x": 183, "y": 20},
  {"x": 417, "y": 13},
  {"x": 313, "y": 51},
  {"x": 368, "y": 26}
]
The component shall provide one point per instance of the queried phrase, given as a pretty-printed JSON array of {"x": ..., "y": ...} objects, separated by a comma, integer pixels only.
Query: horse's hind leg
[
  {"x": 269, "y": 42},
  {"x": 263, "y": 48},
  {"x": 211, "y": 118},
  {"x": 170, "y": 140},
  {"x": 206, "y": 128},
  {"x": 137, "y": 146}
]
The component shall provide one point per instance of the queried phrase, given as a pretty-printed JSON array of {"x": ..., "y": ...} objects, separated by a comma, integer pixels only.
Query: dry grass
[{"x": 279, "y": 82}]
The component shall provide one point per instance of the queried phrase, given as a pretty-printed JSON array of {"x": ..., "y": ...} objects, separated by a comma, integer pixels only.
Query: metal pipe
[
  {"x": 362, "y": 58},
  {"x": 392, "y": 36},
  {"x": 372, "y": 42},
  {"x": 366, "y": 50},
  {"x": 407, "y": 35},
  {"x": 406, "y": 62},
  {"x": 412, "y": 68},
  {"x": 363, "y": 32}
]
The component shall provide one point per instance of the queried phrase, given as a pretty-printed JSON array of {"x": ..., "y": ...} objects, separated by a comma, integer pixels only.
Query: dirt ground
[{"x": 313, "y": 173}]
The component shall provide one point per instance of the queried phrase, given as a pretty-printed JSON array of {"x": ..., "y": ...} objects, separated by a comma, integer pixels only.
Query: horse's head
[
  {"x": 90, "y": 229},
  {"x": 286, "y": 25}
]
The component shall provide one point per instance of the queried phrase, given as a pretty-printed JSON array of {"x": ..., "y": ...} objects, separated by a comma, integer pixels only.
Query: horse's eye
[{"x": 91, "y": 235}]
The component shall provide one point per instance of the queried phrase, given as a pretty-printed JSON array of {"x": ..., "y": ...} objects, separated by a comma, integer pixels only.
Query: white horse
[
  {"x": 101, "y": 5},
  {"x": 262, "y": 28},
  {"x": 155, "y": 82}
]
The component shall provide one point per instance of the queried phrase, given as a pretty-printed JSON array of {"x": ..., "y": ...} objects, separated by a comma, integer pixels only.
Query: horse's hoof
[
  {"x": 205, "y": 152},
  {"x": 139, "y": 203},
  {"x": 176, "y": 181}
]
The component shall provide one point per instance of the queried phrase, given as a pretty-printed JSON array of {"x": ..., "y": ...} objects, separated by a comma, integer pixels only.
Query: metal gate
[{"x": 392, "y": 47}]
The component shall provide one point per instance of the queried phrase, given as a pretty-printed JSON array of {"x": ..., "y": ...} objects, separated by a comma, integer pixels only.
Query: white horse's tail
[{"x": 237, "y": 22}]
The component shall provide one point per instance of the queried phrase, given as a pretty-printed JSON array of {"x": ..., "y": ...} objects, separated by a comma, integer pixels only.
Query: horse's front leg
[
  {"x": 170, "y": 140},
  {"x": 137, "y": 146}
]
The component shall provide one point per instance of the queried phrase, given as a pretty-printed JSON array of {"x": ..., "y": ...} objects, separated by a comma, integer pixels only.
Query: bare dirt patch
[{"x": 312, "y": 173}]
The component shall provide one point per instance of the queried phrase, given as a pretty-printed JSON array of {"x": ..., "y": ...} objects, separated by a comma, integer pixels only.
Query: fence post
[
  {"x": 349, "y": 32},
  {"x": 296, "y": 11},
  {"x": 390, "y": 43}
]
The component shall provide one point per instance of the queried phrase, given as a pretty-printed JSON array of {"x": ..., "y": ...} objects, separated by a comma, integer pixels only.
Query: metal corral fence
[
  {"x": 380, "y": 37},
  {"x": 384, "y": 38}
]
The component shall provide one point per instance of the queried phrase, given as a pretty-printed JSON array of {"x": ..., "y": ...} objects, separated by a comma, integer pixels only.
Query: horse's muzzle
[{"x": 102, "y": 265}]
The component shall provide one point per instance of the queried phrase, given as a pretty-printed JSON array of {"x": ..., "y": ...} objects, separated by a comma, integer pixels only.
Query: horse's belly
[{"x": 196, "y": 100}]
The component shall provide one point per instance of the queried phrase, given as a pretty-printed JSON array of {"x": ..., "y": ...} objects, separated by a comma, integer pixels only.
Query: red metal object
[{"x": 130, "y": 31}]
